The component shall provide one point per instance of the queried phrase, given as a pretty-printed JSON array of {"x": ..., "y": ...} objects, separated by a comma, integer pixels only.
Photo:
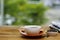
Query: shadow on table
[{"x": 31, "y": 37}]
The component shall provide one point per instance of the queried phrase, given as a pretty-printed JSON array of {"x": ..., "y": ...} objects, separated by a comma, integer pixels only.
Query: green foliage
[{"x": 25, "y": 14}]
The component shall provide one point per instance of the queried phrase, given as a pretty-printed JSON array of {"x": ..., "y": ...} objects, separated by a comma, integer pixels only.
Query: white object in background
[
  {"x": 48, "y": 2},
  {"x": 1, "y": 11},
  {"x": 9, "y": 19},
  {"x": 55, "y": 25},
  {"x": 57, "y": 1},
  {"x": 9, "y": 22}
]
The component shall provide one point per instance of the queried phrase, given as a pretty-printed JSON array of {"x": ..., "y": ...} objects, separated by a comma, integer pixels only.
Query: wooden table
[{"x": 12, "y": 33}]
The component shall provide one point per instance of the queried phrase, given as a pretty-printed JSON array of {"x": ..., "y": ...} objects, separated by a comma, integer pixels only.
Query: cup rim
[{"x": 29, "y": 26}]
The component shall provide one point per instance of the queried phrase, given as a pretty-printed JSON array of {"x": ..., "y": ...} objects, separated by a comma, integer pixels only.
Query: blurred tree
[{"x": 24, "y": 13}]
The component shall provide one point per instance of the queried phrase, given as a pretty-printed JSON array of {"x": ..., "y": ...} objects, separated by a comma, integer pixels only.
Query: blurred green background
[{"x": 24, "y": 13}]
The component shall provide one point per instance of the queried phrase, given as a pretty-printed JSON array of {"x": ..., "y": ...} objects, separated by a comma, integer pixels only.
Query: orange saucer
[{"x": 43, "y": 34}]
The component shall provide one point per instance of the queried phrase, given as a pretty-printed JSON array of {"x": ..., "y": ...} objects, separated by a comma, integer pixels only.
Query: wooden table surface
[{"x": 12, "y": 33}]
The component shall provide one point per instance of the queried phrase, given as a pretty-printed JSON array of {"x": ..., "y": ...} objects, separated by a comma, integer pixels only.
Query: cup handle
[
  {"x": 22, "y": 31},
  {"x": 41, "y": 31}
]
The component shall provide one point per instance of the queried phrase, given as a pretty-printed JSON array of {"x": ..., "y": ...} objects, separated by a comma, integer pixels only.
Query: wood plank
[{"x": 10, "y": 33}]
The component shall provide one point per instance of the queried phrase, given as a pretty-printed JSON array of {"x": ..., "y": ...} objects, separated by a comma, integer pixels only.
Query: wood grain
[{"x": 11, "y": 33}]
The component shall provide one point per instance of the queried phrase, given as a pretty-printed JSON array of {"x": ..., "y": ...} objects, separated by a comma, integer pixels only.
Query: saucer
[{"x": 43, "y": 34}]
